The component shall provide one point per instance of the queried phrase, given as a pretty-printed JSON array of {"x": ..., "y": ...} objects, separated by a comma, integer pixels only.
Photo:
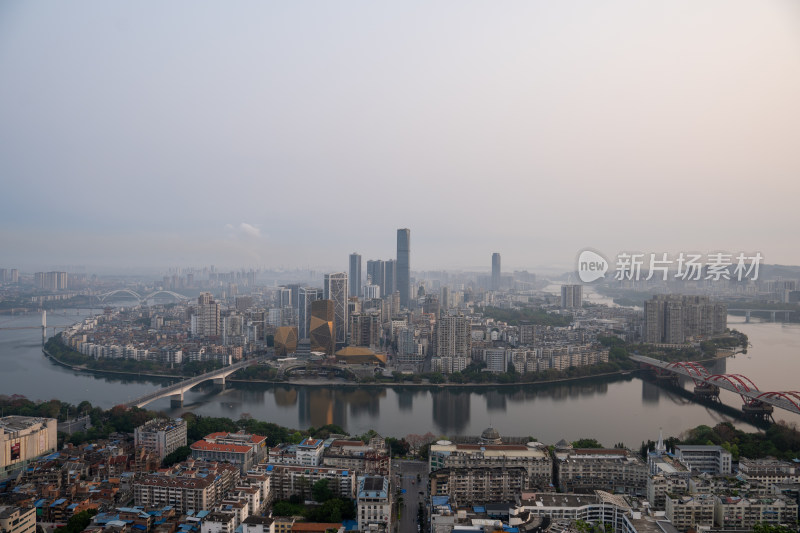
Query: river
[{"x": 624, "y": 409}]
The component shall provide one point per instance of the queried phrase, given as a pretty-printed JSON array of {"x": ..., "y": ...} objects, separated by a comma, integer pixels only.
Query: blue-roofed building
[{"x": 374, "y": 502}]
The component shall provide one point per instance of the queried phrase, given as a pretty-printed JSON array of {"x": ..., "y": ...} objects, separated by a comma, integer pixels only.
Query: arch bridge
[
  {"x": 139, "y": 297},
  {"x": 755, "y": 402},
  {"x": 176, "y": 391}
]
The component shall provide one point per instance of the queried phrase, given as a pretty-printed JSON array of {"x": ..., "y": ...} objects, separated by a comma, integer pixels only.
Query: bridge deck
[
  {"x": 721, "y": 383},
  {"x": 189, "y": 383}
]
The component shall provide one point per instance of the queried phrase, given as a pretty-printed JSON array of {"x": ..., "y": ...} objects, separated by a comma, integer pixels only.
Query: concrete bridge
[
  {"x": 176, "y": 390},
  {"x": 772, "y": 312},
  {"x": 756, "y": 403}
]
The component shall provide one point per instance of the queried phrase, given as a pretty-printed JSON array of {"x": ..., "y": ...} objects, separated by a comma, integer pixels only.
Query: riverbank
[
  {"x": 350, "y": 384},
  {"x": 86, "y": 370}
]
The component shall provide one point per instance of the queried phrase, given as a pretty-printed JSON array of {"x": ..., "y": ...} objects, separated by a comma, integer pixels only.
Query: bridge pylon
[{"x": 176, "y": 400}]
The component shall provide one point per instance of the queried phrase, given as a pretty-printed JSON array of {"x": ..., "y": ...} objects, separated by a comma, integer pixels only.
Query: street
[{"x": 404, "y": 476}]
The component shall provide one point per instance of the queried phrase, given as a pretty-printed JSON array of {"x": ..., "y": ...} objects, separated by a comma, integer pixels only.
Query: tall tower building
[
  {"x": 321, "y": 327},
  {"x": 354, "y": 279},
  {"x": 571, "y": 296},
  {"x": 207, "y": 321},
  {"x": 335, "y": 288},
  {"x": 376, "y": 273},
  {"x": 495, "y": 271},
  {"x": 306, "y": 295},
  {"x": 390, "y": 278},
  {"x": 403, "y": 273}
]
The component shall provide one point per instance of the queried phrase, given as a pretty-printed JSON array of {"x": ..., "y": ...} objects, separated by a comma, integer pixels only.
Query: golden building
[
  {"x": 285, "y": 340},
  {"x": 322, "y": 329}
]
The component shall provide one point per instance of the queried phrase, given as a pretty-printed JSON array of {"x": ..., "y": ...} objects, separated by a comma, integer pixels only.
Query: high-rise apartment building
[
  {"x": 306, "y": 295},
  {"x": 335, "y": 289},
  {"x": 322, "y": 326},
  {"x": 672, "y": 319},
  {"x": 354, "y": 279},
  {"x": 495, "y": 271},
  {"x": 161, "y": 436},
  {"x": 453, "y": 337},
  {"x": 206, "y": 322},
  {"x": 53, "y": 281},
  {"x": 365, "y": 329},
  {"x": 571, "y": 296},
  {"x": 403, "y": 271}
]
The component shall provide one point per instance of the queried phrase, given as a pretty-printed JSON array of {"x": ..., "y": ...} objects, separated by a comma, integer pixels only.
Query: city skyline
[{"x": 132, "y": 140}]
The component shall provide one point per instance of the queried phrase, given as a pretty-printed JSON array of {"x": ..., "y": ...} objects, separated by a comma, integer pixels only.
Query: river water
[{"x": 625, "y": 409}]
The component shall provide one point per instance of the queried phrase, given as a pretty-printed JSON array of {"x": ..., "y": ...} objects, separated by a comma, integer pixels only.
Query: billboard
[{"x": 15, "y": 451}]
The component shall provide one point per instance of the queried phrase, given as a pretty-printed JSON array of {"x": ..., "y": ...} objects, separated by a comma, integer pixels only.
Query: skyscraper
[
  {"x": 335, "y": 288},
  {"x": 305, "y": 297},
  {"x": 376, "y": 272},
  {"x": 207, "y": 316},
  {"x": 355, "y": 275},
  {"x": 390, "y": 278},
  {"x": 495, "y": 271},
  {"x": 321, "y": 330},
  {"x": 571, "y": 296},
  {"x": 403, "y": 272}
]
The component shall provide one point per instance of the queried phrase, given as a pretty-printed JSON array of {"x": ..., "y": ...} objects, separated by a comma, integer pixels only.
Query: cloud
[{"x": 244, "y": 230}]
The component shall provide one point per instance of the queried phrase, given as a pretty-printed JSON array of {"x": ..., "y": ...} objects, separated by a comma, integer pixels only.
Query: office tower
[
  {"x": 571, "y": 296},
  {"x": 354, "y": 280},
  {"x": 376, "y": 274},
  {"x": 283, "y": 297},
  {"x": 321, "y": 327},
  {"x": 403, "y": 271},
  {"x": 390, "y": 278},
  {"x": 335, "y": 288},
  {"x": 495, "y": 271},
  {"x": 306, "y": 296}
]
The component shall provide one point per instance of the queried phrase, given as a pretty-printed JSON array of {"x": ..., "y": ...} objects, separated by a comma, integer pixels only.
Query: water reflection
[{"x": 451, "y": 410}]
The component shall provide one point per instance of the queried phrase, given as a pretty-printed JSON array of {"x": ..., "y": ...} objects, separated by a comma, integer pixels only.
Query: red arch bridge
[{"x": 755, "y": 402}]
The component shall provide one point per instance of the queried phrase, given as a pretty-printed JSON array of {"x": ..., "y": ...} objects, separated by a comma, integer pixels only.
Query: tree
[
  {"x": 177, "y": 456},
  {"x": 586, "y": 443},
  {"x": 321, "y": 492}
]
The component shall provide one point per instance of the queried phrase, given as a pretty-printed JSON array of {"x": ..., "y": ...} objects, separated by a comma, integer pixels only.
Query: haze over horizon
[{"x": 273, "y": 134}]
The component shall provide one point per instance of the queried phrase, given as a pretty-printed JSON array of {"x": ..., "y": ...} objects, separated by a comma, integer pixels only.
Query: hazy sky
[{"x": 293, "y": 133}]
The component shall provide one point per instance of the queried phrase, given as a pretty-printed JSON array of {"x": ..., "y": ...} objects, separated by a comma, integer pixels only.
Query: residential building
[
  {"x": 613, "y": 470},
  {"x": 207, "y": 322},
  {"x": 240, "y": 449},
  {"x": 373, "y": 503},
  {"x": 15, "y": 519},
  {"x": 571, "y": 296},
  {"x": 690, "y": 512},
  {"x": 22, "y": 439},
  {"x": 705, "y": 458},
  {"x": 675, "y": 319},
  {"x": 161, "y": 436}
]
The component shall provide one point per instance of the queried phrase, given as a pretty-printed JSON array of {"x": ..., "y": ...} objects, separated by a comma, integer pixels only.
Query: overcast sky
[{"x": 293, "y": 133}]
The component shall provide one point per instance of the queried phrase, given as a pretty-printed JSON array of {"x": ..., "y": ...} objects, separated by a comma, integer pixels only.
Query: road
[{"x": 404, "y": 475}]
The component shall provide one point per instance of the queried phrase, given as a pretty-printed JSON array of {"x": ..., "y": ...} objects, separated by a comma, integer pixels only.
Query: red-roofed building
[{"x": 238, "y": 448}]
